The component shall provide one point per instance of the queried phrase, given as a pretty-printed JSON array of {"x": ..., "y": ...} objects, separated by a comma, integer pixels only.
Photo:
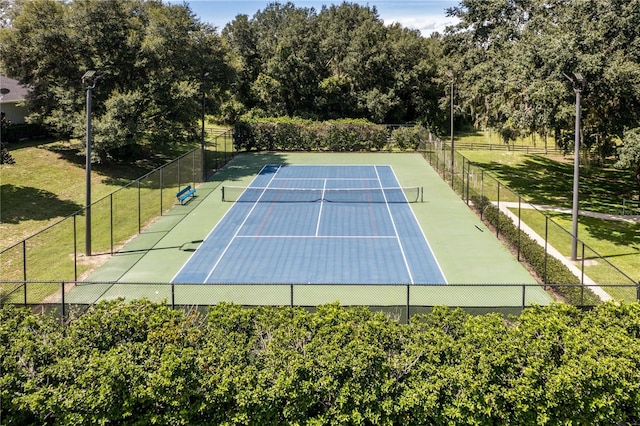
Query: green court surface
[{"x": 481, "y": 272}]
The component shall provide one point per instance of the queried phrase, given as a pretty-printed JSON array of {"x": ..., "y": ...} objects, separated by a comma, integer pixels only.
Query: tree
[
  {"x": 516, "y": 54},
  {"x": 151, "y": 57},
  {"x": 340, "y": 62},
  {"x": 629, "y": 154}
]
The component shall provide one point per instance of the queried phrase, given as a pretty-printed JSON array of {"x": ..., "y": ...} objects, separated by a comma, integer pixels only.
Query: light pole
[
  {"x": 204, "y": 172},
  {"x": 578, "y": 86},
  {"x": 90, "y": 75},
  {"x": 450, "y": 75}
]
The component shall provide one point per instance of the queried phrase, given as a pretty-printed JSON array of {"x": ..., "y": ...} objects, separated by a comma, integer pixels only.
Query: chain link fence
[
  {"x": 534, "y": 234},
  {"x": 115, "y": 218}
]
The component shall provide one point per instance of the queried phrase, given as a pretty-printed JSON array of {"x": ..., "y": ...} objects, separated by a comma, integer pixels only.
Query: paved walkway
[
  {"x": 605, "y": 216},
  {"x": 505, "y": 206}
]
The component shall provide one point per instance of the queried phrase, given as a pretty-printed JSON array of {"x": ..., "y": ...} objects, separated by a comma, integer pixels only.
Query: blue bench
[{"x": 185, "y": 193}]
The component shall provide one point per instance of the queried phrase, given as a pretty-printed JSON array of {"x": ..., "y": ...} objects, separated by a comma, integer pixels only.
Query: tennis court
[
  {"x": 384, "y": 223},
  {"x": 347, "y": 224}
]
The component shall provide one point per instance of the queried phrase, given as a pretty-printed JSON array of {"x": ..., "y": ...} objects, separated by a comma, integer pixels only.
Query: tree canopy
[
  {"x": 151, "y": 58},
  {"x": 516, "y": 57},
  {"x": 509, "y": 60}
]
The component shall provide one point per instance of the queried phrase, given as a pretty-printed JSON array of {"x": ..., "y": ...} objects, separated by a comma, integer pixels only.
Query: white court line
[
  {"x": 214, "y": 228},
  {"x": 344, "y": 237},
  {"x": 324, "y": 187},
  {"x": 395, "y": 230},
  {"x": 239, "y": 228},
  {"x": 424, "y": 236}
]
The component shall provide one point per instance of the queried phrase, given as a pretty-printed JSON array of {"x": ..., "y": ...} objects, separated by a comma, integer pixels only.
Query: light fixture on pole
[
  {"x": 578, "y": 85},
  {"x": 91, "y": 79},
  {"x": 204, "y": 172}
]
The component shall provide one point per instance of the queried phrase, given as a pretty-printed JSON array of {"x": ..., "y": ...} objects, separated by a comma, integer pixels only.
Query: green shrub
[
  {"x": 287, "y": 134},
  {"x": 143, "y": 363},
  {"x": 409, "y": 138}
]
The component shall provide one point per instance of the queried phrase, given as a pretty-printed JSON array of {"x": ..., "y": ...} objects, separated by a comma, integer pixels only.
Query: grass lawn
[
  {"x": 618, "y": 242},
  {"x": 549, "y": 181},
  {"x": 48, "y": 181},
  {"x": 474, "y": 136},
  {"x": 47, "y": 184}
]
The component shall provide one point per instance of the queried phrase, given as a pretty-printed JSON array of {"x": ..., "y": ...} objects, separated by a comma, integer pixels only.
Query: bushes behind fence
[
  {"x": 552, "y": 270},
  {"x": 291, "y": 134}
]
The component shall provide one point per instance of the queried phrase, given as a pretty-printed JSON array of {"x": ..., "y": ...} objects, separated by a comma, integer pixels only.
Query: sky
[{"x": 427, "y": 16}]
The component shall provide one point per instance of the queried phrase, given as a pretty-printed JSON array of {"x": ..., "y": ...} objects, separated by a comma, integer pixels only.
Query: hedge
[
  {"x": 143, "y": 363},
  {"x": 288, "y": 134},
  {"x": 544, "y": 265}
]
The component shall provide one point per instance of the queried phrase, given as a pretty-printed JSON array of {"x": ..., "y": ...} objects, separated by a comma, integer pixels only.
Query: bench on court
[{"x": 185, "y": 193}]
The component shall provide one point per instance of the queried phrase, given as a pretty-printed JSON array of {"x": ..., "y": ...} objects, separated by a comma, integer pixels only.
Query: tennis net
[{"x": 334, "y": 195}]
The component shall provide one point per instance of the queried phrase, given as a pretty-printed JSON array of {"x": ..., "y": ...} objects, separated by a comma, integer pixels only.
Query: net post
[
  {"x": 422, "y": 194},
  {"x": 222, "y": 190}
]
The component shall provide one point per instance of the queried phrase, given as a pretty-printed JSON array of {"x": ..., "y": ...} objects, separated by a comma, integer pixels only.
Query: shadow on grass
[
  {"x": 247, "y": 164},
  {"x": 26, "y": 203},
  {"x": 545, "y": 181}
]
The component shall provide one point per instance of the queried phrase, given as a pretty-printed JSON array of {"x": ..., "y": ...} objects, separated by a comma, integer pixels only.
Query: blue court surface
[{"x": 330, "y": 224}]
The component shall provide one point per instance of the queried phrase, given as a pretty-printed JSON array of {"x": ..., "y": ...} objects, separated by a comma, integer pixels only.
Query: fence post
[
  {"x": 519, "y": 220},
  {"x": 462, "y": 176},
  {"x": 139, "y": 207},
  {"x": 161, "y": 187},
  {"x": 173, "y": 295},
  {"x": 24, "y": 260},
  {"x": 111, "y": 221},
  {"x": 582, "y": 279},
  {"x": 75, "y": 250},
  {"x": 524, "y": 297},
  {"x": 582, "y": 266},
  {"x": 546, "y": 241},
  {"x": 498, "y": 215},
  {"x": 62, "y": 311},
  {"x": 291, "y": 295},
  {"x": 468, "y": 179},
  {"x": 408, "y": 303}
]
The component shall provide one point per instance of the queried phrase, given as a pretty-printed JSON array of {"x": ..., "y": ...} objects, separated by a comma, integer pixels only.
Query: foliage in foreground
[{"x": 143, "y": 363}]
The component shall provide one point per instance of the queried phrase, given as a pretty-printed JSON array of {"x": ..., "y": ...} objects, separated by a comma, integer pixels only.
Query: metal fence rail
[
  {"x": 115, "y": 218},
  {"x": 469, "y": 181},
  {"x": 68, "y": 298}
]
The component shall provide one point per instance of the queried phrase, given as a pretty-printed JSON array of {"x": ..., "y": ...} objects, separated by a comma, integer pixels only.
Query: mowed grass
[
  {"x": 549, "y": 181},
  {"x": 46, "y": 186},
  {"x": 48, "y": 183},
  {"x": 482, "y": 137},
  {"x": 618, "y": 242}
]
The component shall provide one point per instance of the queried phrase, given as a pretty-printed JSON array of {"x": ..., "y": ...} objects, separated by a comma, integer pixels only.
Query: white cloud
[{"x": 425, "y": 24}]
